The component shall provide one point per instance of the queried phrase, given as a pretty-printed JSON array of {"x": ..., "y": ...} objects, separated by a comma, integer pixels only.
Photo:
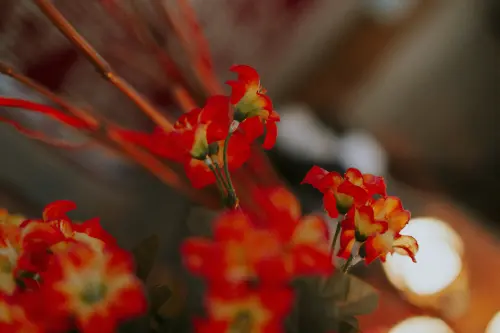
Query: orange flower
[
  {"x": 234, "y": 253},
  {"x": 305, "y": 246},
  {"x": 341, "y": 193},
  {"x": 288, "y": 246},
  {"x": 253, "y": 109},
  {"x": 56, "y": 228},
  {"x": 376, "y": 229},
  {"x": 256, "y": 311},
  {"x": 14, "y": 319},
  {"x": 97, "y": 289},
  {"x": 358, "y": 225}
]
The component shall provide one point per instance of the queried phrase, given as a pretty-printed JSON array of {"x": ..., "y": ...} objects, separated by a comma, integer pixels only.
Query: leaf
[
  {"x": 331, "y": 304},
  {"x": 361, "y": 298},
  {"x": 145, "y": 255},
  {"x": 158, "y": 295},
  {"x": 349, "y": 325}
]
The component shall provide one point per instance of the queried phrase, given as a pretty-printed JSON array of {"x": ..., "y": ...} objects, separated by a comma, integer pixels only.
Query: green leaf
[
  {"x": 145, "y": 256},
  {"x": 331, "y": 304},
  {"x": 361, "y": 298},
  {"x": 158, "y": 295},
  {"x": 349, "y": 325}
]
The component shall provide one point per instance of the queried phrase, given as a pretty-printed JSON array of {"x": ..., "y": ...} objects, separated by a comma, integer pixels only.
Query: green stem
[
  {"x": 347, "y": 264},
  {"x": 220, "y": 182},
  {"x": 233, "y": 199},
  {"x": 335, "y": 237}
]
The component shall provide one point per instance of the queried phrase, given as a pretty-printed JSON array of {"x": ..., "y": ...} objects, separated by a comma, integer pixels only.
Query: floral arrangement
[{"x": 264, "y": 268}]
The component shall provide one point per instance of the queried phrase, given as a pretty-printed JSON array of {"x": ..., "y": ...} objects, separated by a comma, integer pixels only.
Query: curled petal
[
  {"x": 58, "y": 209},
  {"x": 406, "y": 245}
]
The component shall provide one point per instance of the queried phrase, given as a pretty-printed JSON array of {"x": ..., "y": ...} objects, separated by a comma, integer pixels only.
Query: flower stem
[
  {"x": 347, "y": 264},
  {"x": 232, "y": 198},
  {"x": 335, "y": 237},
  {"x": 220, "y": 182}
]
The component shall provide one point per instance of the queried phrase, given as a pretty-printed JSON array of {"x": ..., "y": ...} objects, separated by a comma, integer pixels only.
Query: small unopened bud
[{"x": 234, "y": 126}]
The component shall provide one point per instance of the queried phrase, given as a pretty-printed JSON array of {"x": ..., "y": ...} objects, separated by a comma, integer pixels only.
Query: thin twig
[
  {"x": 204, "y": 76},
  {"x": 77, "y": 112},
  {"x": 141, "y": 33},
  {"x": 100, "y": 64}
]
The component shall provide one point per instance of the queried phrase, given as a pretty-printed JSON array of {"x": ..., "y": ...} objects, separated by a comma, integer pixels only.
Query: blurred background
[{"x": 403, "y": 88}]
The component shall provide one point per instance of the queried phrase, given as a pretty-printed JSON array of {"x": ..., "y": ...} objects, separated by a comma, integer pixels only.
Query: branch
[
  {"x": 46, "y": 110},
  {"x": 203, "y": 73},
  {"x": 178, "y": 87},
  {"x": 100, "y": 64},
  {"x": 49, "y": 112},
  {"x": 77, "y": 112}
]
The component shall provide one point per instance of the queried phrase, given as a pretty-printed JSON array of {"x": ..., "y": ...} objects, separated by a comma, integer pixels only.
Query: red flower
[
  {"x": 56, "y": 228},
  {"x": 391, "y": 211},
  {"x": 197, "y": 141},
  {"x": 341, "y": 193},
  {"x": 376, "y": 229},
  {"x": 358, "y": 225},
  {"x": 97, "y": 289},
  {"x": 304, "y": 238},
  {"x": 289, "y": 246},
  {"x": 253, "y": 109},
  {"x": 257, "y": 311},
  {"x": 14, "y": 319},
  {"x": 10, "y": 251},
  {"x": 234, "y": 253}
]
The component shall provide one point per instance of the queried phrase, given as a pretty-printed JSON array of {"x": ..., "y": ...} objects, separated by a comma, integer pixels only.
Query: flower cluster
[
  {"x": 218, "y": 136},
  {"x": 251, "y": 260},
  {"x": 372, "y": 221},
  {"x": 57, "y": 275}
]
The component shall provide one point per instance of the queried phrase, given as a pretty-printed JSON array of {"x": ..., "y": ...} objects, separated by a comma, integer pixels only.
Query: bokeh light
[
  {"x": 421, "y": 324},
  {"x": 438, "y": 260}
]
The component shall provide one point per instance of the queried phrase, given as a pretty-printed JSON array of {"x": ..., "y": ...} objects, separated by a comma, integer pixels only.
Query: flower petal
[{"x": 58, "y": 209}]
